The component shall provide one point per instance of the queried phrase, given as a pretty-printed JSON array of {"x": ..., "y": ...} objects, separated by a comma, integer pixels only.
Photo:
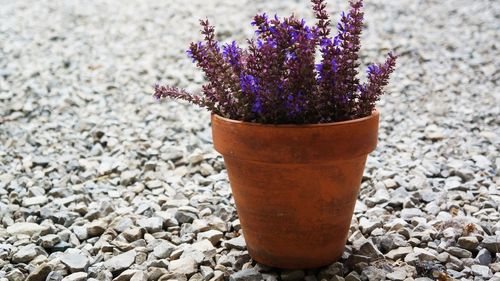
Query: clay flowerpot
[{"x": 295, "y": 186}]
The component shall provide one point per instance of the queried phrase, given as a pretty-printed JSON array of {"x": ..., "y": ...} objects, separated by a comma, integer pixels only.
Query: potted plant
[{"x": 294, "y": 129}]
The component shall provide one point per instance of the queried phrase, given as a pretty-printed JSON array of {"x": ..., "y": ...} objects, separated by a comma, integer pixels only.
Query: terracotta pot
[{"x": 295, "y": 186}]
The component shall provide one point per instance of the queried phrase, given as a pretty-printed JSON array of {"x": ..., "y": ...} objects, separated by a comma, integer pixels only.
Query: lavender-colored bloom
[
  {"x": 294, "y": 104},
  {"x": 336, "y": 41},
  {"x": 309, "y": 33},
  {"x": 257, "y": 106},
  {"x": 231, "y": 53},
  {"x": 319, "y": 67},
  {"x": 291, "y": 56},
  {"x": 334, "y": 65},
  {"x": 373, "y": 70},
  {"x": 277, "y": 80},
  {"x": 325, "y": 42},
  {"x": 259, "y": 19},
  {"x": 249, "y": 84}
]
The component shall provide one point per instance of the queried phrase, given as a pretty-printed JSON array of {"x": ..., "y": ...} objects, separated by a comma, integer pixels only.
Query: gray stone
[
  {"x": 26, "y": 253},
  {"x": 481, "y": 271},
  {"x": 212, "y": 235},
  {"x": 492, "y": 243},
  {"x": 49, "y": 241},
  {"x": 380, "y": 196},
  {"x": 123, "y": 225},
  {"x": 40, "y": 273},
  {"x": 206, "y": 271},
  {"x": 399, "y": 253},
  {"x": 329, "y": 272},
  {"x": 424, "y": 254},
  {"x": 121, "y": 261},
  {"x": 392, "y": 241},
  {"x": 128, "y": 177},
  {"x": 41, "y": 161},
  {"x": 199, "y": 251},
  {"x": 37, "y": 200},
  {"x": 459, "y": 252},
  {"x": 186, "y": 214},
  {"x": 495, "y": 267},
  {"x": 353, "y": 276},
  {"x": 80, "y": 232},
  {"x": 133, "y": 234},
  {"x": 27, "y": 228},
  {"x": 398, "y": 275},
  {"x": 139, "y": 276},
  {"x": 292, "y": 275},
  {"x": 126, "y": 275},
  {"x": 236, "y": 225},
  {"x": 237, "y": 243},
  {"x": 249, "y": 274},
  {"x": 366, "y": 247},
  {"x": 15, "y": 275},
  {"x": 372, "y": 273},
  {"x": 409, "y": 213},
  {"x": 367, "y": 226},
  {"x": 163, "y": 250},
  {"x": 484, "y": 257},
  {"x": 218, "y": 276},
  {"x": 185, "y": 265},
  {"x": 75, "y": 262},
  {"x": 468, "y": 242},
  {"x": 152, "y": 225},
  {"x": 77, "y": 276},
  {"x": 96, "y": 228}
]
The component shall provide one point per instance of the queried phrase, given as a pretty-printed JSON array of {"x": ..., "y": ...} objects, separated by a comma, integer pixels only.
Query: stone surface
[
  {"x": 152, "y": 225},
  {"x": 185, "y": 265},
  {"x": 212, "y": 235},
  {"x": 75, "y": 262},
  {"x": 459, "y": 253},
  {"x": 469, "y": 242},
  {"x": 398, "y": 253},
  {"x": 163, "y": 250},
  {"x": 121, "y": 261},
  {"x": 91, "y": 165},
  {"x": 78, "y": 276},
  {"x": 249, "y": 274},
  {"x": 26, "y": 253},
  {"x": 40, "y": 273},
  {"x": 25, "y": 228},
  {"x": 492, "y": 243},
  {"x": 237, "y": 243},
  {"x": 481, "y": 271}
]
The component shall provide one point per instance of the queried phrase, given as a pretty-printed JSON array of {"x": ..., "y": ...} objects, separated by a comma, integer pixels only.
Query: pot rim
[{"x": 375, "y": 113}]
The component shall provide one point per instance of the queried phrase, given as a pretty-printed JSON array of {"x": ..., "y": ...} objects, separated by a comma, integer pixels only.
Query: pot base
[
  {"x": 295, "y": 186},
  {"x": 295, "y": 216}
]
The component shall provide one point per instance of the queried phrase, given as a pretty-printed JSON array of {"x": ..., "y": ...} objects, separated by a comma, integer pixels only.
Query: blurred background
[{"x": 89, "y": 160}]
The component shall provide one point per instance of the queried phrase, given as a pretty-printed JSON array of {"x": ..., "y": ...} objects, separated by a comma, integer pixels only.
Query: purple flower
[
  {"x": 257, "y": 106},
  {"x": 336, "y": 41},
  {"x": 291, "y": 56},
  {"x": 198, "y": 46},
  {"x": 294, "y": 104},
  {"x": 260, "y": 19},
  {"x": 249, "y": 84},
  {"x": 231, "y": 53},
  {"x": 319, "y": 67},
  {"x": 277, "y": 80},
  {"x": 373, "y": 70},
  {"x": 334, "y": 65}
]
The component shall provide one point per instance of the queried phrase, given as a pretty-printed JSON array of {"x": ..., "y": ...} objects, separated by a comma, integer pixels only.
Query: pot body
[{"x": 295, "y": 186}]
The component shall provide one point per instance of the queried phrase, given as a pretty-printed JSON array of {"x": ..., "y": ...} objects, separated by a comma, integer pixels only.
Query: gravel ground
[{"x": 100, "y": 182}]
